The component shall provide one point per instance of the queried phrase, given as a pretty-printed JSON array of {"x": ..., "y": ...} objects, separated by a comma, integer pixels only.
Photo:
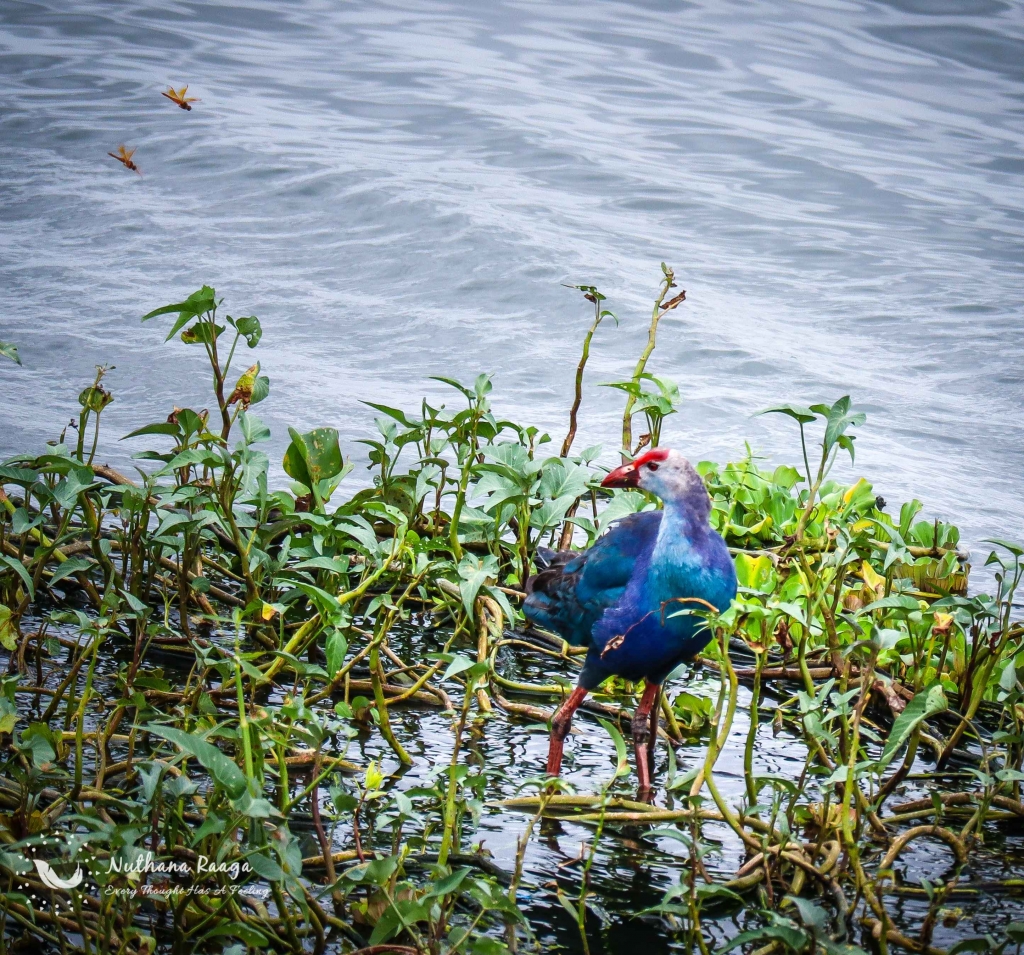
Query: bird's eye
[{"x": 653, "y": 466}]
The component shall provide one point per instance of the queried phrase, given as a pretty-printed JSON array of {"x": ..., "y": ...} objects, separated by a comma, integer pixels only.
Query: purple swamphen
[{"x": 621, "y": 598}]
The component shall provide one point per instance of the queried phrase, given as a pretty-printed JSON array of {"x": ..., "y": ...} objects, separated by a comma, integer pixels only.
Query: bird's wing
[{"x": 574, "y": 589}]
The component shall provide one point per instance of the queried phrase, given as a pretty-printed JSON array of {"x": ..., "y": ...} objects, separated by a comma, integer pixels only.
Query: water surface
[{"x": 398, "y": 190}]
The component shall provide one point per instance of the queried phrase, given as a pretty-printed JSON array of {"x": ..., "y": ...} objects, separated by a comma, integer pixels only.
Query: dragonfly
[
  {"x": 179, "y": 98},
  {"x": 125, "y": 156}
]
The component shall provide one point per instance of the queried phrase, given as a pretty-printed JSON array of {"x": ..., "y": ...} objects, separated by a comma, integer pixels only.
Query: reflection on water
[{"x": 633, "y": 866}]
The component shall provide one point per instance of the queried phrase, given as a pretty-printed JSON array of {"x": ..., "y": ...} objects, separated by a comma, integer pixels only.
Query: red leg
[
  {"x": 641, "y": 731},
  {"x": 560, "y": 724},
  {"x": 652, "y": 741}
]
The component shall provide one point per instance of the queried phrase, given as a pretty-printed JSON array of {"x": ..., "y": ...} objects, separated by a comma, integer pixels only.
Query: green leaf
[
  {"x": 1016, "y": 549},
  {"x": 198, "y": 303},
  {"x": 567, "y": 904},
  {"x": 755, "y": 573},
  {"x": 265, "y": 867},
  {"x": 336, "y": 565},
  {"x": 457, "y": 665},
  {"x": 224, "y": 770},
  {"x": 795, "y": 939},
  {"x": 970, "y": 945},
  {"x": 313, "y": 457},
  {"x": 74, "y": 565},
  {"x": 337, "y": 647},
  {"x": 8, "y": 632},
  {"x": 10, "y": 350},
  {"x": 161, "y": 427},
  {"x": 925, "y": 704},
  {"x": 253, "y": 429},
  {"x": 839, "y": 419},
  {"x": 376, "y": 872},
  {"x": 202, "y": 333},
  {"x": 19, "y": 568},
  {"x": 24, "y": 476},
  {"x": 260, "y": 389},
  {"x": 622, "y": 767},
  {"x": 796, "y": 412},
  {"x": 249, "y": 328},
  {"x": 451, "y": 882}
]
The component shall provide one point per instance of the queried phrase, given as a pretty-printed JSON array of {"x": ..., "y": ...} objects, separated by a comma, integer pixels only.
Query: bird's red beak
[{"x": 626, "y": 476}]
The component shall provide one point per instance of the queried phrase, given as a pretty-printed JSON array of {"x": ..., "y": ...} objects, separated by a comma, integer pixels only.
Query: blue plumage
[
  {"x": 574, "y": 589},
  {"x": 621, "y": 598}
]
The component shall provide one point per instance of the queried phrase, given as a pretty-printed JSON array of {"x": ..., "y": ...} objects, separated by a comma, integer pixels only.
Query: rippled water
[{"x": 398, "y": 190}]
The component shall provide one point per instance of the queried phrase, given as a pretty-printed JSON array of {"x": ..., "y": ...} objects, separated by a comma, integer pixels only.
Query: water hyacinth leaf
[
  {"x": 924, "y": 705},
  {"x": 242, "y": 393},
  {"x": 458, "y": 665},
  {"x": 161, "y": 427},
  {"x": 14, "y": 475},
  {"x": 313, "y": 457},
  {"x": 795, "y": 939},
  {"x": 198, "y": 303},
  {"x": 376, "y": 872},
  {"x": 755, "y": 573},
  {"x": 22, "y": 521},
  {"x": 336, "y": 648},
  {"x": 95, "y": 398},
  {"x": 449, "y": 883},
  {"x": 202, "y": 333},
  {"x": 260, "y": 389},
  {"x": 796, "y": 412},
  {"x": 19, "y": 568},
  {"x": 253, "y": 428},
  {"x": 224, "y": 770},
  {"x": 265, "y": 867},
  {"x": 8, "y": 632},
  {"x": 249, "y": 328},
  {"x": 10, "y": 350},
  {"x": 73, "y": 565},
  {"x": 622, "y": 766}
]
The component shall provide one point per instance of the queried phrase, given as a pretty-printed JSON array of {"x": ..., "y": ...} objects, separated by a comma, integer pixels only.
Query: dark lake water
[{"x": 398, "y": 190}]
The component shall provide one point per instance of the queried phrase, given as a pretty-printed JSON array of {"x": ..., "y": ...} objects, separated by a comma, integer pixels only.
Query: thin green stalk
[{"x": 652, "y": 338}]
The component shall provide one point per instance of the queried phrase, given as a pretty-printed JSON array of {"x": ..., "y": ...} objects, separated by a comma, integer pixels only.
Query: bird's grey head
[{"x": 667, "y": 474}]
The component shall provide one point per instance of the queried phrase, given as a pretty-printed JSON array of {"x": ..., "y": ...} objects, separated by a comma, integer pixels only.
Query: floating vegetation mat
[{"x": 238, "y": 717}]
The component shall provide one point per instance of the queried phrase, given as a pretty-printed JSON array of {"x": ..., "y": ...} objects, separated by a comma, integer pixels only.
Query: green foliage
[{"x": 280, "y": 606}]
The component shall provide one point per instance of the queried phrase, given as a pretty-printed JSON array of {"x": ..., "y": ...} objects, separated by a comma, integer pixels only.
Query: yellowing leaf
[
  {"x": 872, "y": 578},
  {"x": 8, "y": 632},
  {"x": 244, "y": 387}
]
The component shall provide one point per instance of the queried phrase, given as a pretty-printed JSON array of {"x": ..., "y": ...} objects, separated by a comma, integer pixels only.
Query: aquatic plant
[{"x": 191, "y": 654}]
